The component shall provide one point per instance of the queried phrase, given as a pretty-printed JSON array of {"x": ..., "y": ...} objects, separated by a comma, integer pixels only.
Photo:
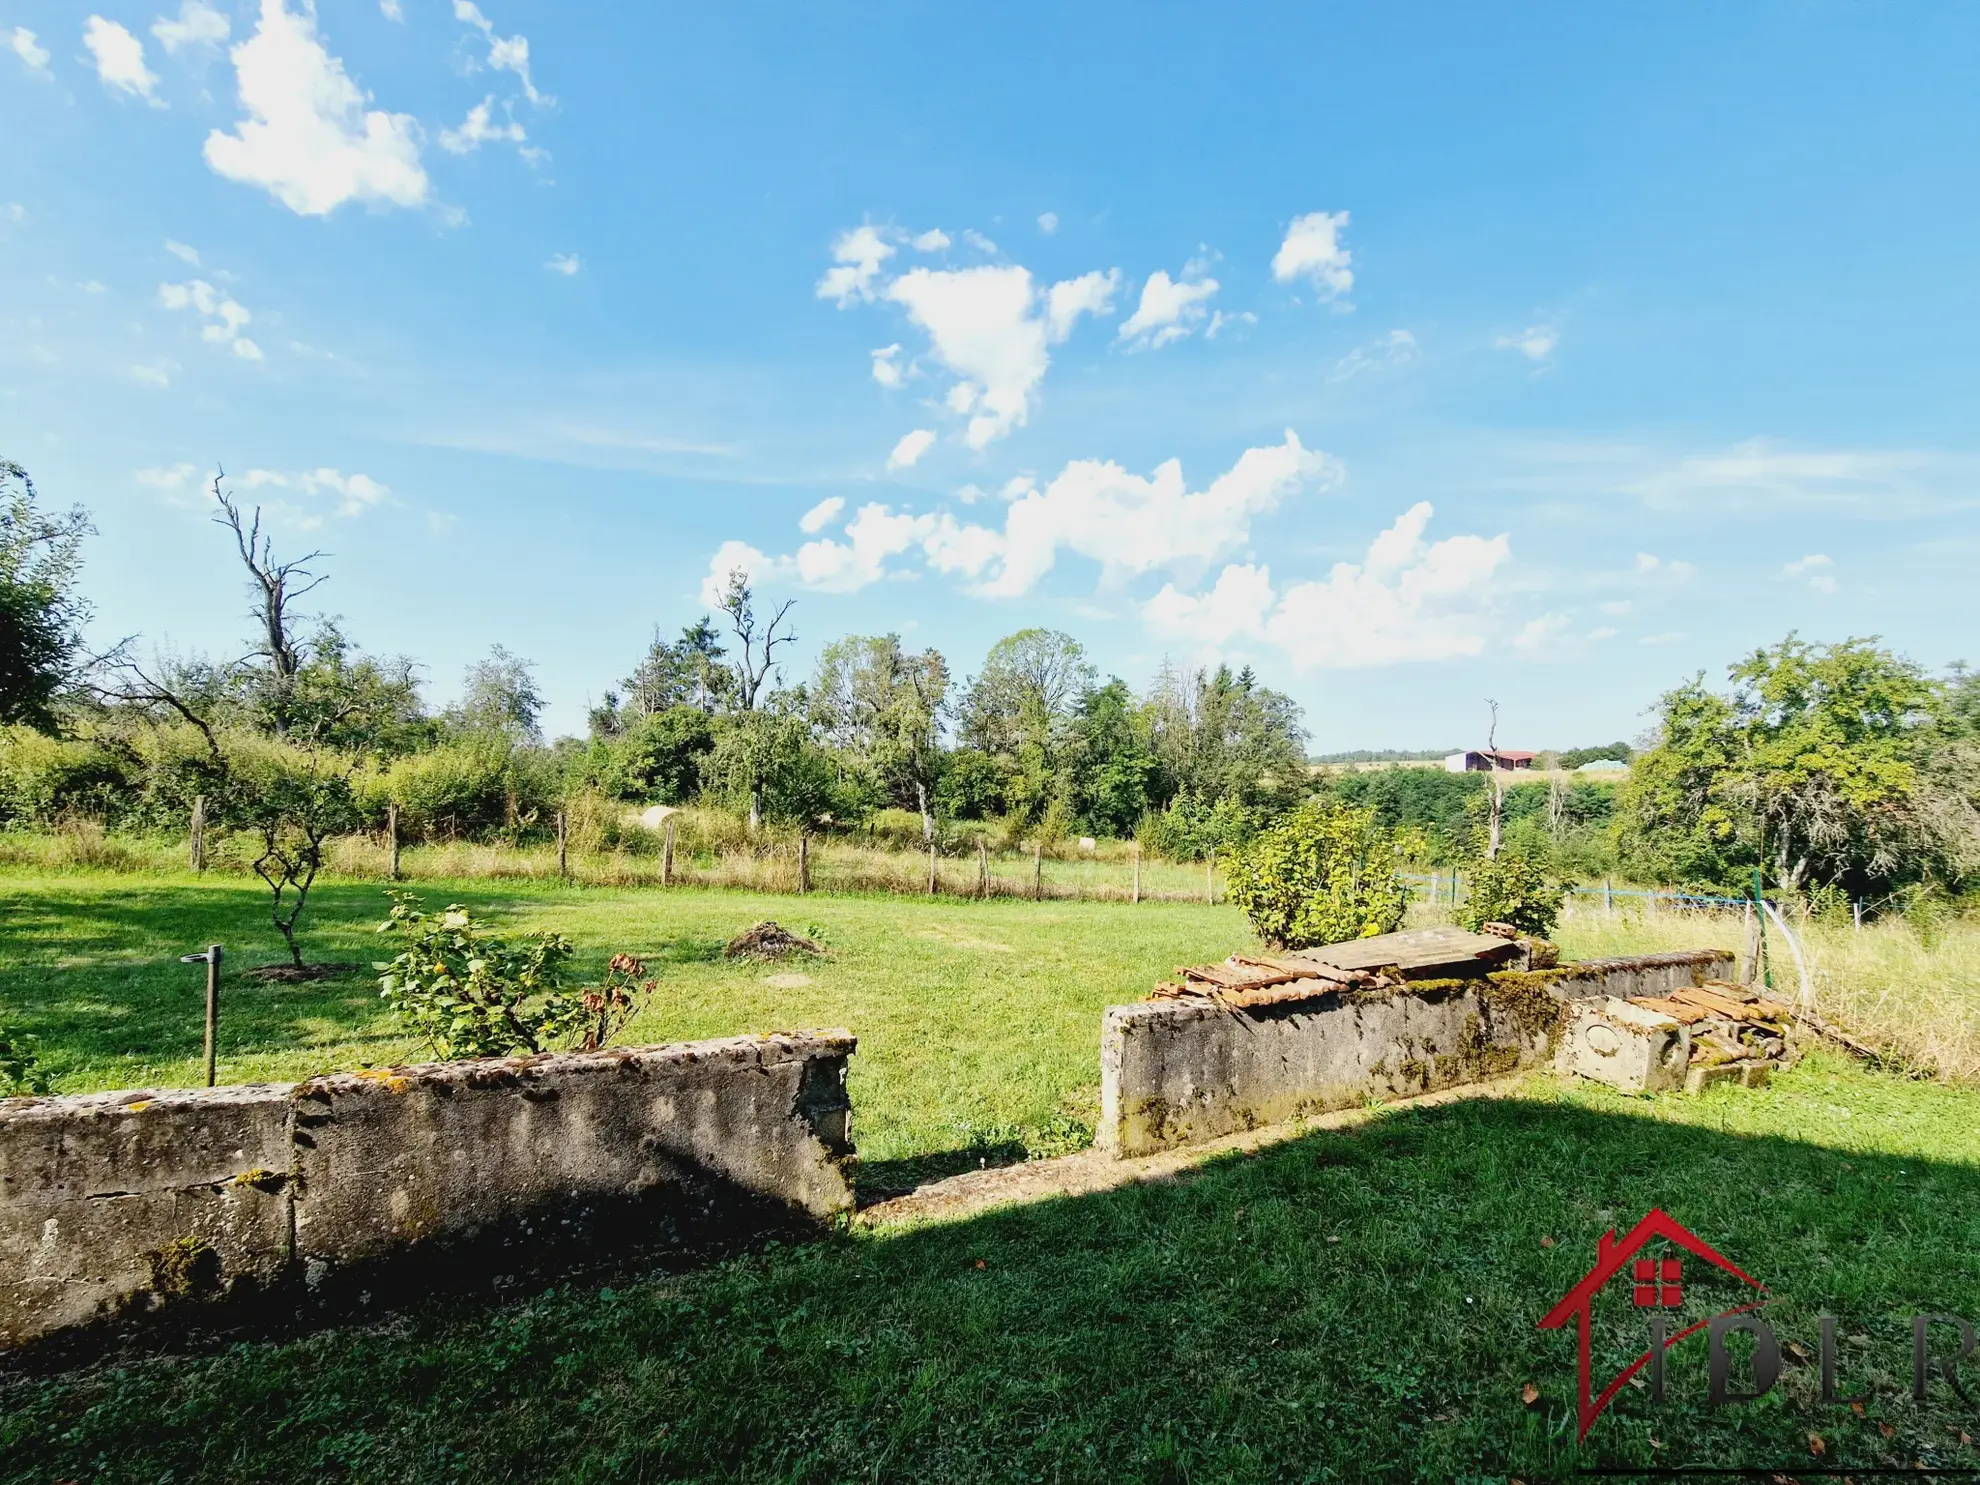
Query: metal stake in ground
[{"x": 211, "y": 959}]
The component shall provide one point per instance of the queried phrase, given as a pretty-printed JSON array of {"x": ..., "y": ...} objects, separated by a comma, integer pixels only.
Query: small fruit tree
[
  {"x": 473, "y": 993},
  {"x": 1324, "y": 874},
  {"x": 1511, "y": 888}
]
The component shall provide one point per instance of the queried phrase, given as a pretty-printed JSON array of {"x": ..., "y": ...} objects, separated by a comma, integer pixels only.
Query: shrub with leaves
[
  {"x": 1324, "y": 874},
  {"x": 1515, "y": 889},
  {"x": 473, "y": 993},
  {"x": 20, "y": 1072}
]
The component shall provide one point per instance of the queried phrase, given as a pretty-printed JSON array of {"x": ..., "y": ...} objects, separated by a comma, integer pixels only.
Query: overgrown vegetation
[
  {"x": 467, "y": 991},
  {"x": 1325, "y": 874},
  {"x": 1512, "y": 888}
]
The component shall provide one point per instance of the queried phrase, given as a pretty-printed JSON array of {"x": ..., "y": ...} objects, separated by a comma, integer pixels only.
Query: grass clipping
[{"x": 768, "y": 941}]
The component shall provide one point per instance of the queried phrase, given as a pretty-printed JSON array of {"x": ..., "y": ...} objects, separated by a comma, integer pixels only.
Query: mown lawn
[
  {"x": 1354, "y": 1305},
  {"x": 979, "y": 1022}
]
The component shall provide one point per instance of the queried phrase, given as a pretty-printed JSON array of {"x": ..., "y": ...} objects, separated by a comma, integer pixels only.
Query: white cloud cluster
[
  {"x": 907, "y": 453},
  {"x": 505, "y": 53},
  {"x": 990, "y": 326},
  {"x": 307, "y": 138},
  {"x": 1312, "y": 250},
  {"x": 1397, "y": 348},
  {"x": 224, "y": 316},
  {"x": 199, "y": 24},
  {"x": 566, "y": 264},
  {"x": 1535, "y": 342},
  {"x": 1169, "y": 309},
  {"x": 1815, "y": 569},
  {"x": 1128, "y": 524},
  {"x": 354, "y": 493},
  {"x": 1406, "y": 600},
  {"x": 1048, "y": 222},
  {"x": 119, "y": 59},
  {"x": 479, "y": 128},
  {"x": 21, "y": 42}
]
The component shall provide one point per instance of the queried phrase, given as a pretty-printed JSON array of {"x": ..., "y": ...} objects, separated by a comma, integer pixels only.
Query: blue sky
[{"x": 1412, "y": 355}]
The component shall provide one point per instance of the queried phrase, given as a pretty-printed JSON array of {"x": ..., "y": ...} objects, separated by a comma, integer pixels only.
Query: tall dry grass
[{"x": 1910, "y": 989}]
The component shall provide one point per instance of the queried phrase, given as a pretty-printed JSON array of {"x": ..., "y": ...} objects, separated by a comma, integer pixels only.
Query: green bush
[
  {"x": 1192, "y": 827},
  {"x": 473, "y": 787},
  {"x": 1325, "y": 874},
  {"x": 20, "y": 1074},
  {"x": 473, "y": 993},
  {"x": 43, "y": 778},
  {"x": 1515, "y": 889}
]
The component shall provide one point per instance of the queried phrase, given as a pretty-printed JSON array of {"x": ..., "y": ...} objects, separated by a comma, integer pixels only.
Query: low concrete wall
[
  {"x": 1174, "y": 1072},
  {"x": 125, "y": 1205}
]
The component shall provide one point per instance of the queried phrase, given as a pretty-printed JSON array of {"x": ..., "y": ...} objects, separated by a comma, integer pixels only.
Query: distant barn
[{"x": 1483, "y": 760}]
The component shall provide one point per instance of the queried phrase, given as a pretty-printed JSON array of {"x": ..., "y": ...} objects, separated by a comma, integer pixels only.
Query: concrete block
[
  {"x": 1637, "y": 1050},
  {"x": 1647, "y": 975},
  {"x": 639, "y": 1144},
  {"x": 1727, "y": 1074},
  {"x": 115, "y": 1204}
]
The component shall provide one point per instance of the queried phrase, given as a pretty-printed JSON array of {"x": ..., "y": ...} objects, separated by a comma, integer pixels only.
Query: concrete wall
[
  {"x": 1175, "y": 1072},
  {"x": 123, "y": 1205}
]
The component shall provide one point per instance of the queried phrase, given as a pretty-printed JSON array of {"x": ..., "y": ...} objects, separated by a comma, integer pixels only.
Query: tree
[
  {"x": 757, "y": 660},
  {"x": 884, "y": 704},
  {"x": 688, "y": 672},
  {"x": 1114, "y": 772},
  {"x": 1324, "y": 875},
  {"x": 1812, "y": 766},
  {"x": 657, "y": 758},
  {"x": 499, "y": 698},
  {"x": 1029, "y": 682},
  {"x": 293, "y": 799},
  {"x": 41, "y": 618},
  {"x": 1219, "y": 735},
  {"x": 275, "y": 586}
]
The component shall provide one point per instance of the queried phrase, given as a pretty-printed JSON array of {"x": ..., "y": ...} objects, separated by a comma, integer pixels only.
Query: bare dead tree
[
  {"x": 758, "y": 658},
  {"x": 1498, "y": 784},
  {"x": 277, "y": 585}
]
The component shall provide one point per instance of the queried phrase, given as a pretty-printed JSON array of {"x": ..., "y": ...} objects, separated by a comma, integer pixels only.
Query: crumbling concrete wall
[
  {"x": 1175, "y": 1072},
  {"x": 126, "y": 1205}
]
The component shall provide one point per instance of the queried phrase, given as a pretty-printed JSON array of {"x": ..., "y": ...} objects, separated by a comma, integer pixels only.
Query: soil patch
[
  {"x": 288, "y": 974},
  {"x": 766, "y": 940}
]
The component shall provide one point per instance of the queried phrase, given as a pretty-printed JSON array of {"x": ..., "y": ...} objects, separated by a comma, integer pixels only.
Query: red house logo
[{"x": 1655, "y": 1284}]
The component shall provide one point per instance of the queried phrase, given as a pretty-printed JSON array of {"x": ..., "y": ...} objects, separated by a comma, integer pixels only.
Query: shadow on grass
[
  {"x": 1346, "y": 1306},
  {"x": 877, "y": 1180}
]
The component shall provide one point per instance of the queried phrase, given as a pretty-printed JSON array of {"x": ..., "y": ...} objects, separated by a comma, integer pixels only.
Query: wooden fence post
[
  {"x": 1209, "y": 877},
  {"x": 563, "y": 846},
  {"x": 198, "y": 843},
  {"x": 804, "y": 862},
  {"x": 1037, "y": 870},
  {"x": 983, "y": 869},
  {"x": 931, "y": 868},
  {"x": 1608, "y": 896},
  {"x": 1137, "y": 872},
  {"x": 1856, "y": 914},
  {"x": 1436, "y": 888},
  {"x": 392, "y": 837},
  {"x": 667, "y": 852}
]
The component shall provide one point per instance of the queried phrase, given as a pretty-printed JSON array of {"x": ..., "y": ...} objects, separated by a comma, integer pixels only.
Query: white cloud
[
  {"x": 1405, "y": 601},
  {"x": 565, "y": 263},
  {"x": 155, "y": 374},
  {"x": 1089, "y": 294},
  {"x": 738, "y": 556},
  {"x": 821, "y": 515},
  {"x": 355, "y": 493},
  {"x": 1669, "y": 637},
  {"x": 199, "y": 24},
  {"x": 981, "y": 325},
  {"x": 1648, "y": 564},
  {"x": 390, "y": 10},
  {"x": 886, "y": 369},
  {"x": 1538, "y": 634},
  {"x": 183, "y": 253},
  {"x": 171, "y": 478},
  {"x": 978, "y": 241},
  {"x": 1397, "y": 348},
  {"x": 1131, "y": 525},
  {"x": 33, "y": 56},
  {"x": 1048, "y": 222},
  {"x": 859, "y": 255},
  {"x": 934, "y": 240},
  {"x": 1312, "y": 250},
  {"x": 1815, "y": 569},
  {"x": 1535, "y": 342},
  {"x": 872, "y": 536},
  {"x": 223, "y": 315},
  {"x": 1603, "y": 633},
  {"x": 505, "y": 53},
  {"x": 479, "y": 128},
  {"x": 308, "y": 138},
  {"x": 1169, "y": 310},
  {"x": 1220, "y": 322},
  {"x": 907, "y": 453},
  {"x": 119, "y": 60},
  {"x": 13, "y": 211}
]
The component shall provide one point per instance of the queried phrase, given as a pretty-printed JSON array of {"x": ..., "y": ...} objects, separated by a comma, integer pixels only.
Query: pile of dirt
[
  {"x": 289, "y": 974},
  {"x": 766, "y": 940}
]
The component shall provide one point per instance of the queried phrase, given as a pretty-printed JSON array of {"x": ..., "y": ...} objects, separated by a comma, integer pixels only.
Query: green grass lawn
[
  {"x": 979, "y": 1022},
  {"x": 1347, "y": 1306}
]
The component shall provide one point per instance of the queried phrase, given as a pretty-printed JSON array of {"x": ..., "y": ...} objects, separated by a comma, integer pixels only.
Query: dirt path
[{"x": 1093, "y": 1170}]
